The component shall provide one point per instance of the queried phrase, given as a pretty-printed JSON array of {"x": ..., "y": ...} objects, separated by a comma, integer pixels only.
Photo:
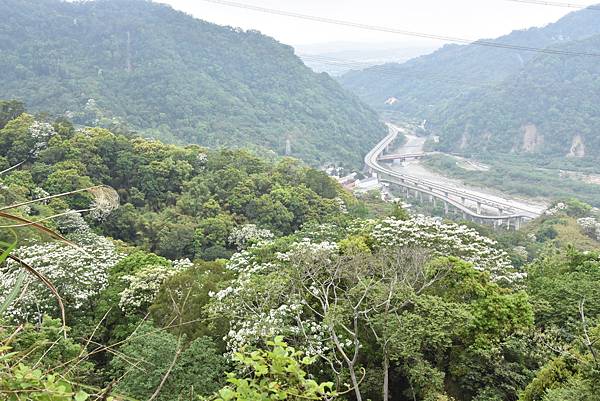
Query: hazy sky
[{"x": 471, "y": 19}]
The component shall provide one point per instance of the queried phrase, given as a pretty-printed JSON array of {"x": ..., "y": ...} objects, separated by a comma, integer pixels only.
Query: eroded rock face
[
  {"x": 464, "y": 141},
  {"x": 577, "y": 147},
  {"x": 532, "y": 139}
]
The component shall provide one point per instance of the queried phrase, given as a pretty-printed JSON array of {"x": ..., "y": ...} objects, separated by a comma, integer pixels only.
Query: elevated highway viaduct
[{"x": 476, "y": 207}]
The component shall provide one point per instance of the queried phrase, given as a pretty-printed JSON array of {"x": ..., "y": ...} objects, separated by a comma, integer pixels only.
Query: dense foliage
[
  {"x": 133, "y": 64},
  {"x": 548, "y": 107},
  {"x": 532, "y": 176},
  {"x": 369, "y": 309},
  {"x": 131, "y": 269},
  {"x": 481, "y": 99},
  {"x": 367, "y": 305},
  {"x": 175, "y": 201}
]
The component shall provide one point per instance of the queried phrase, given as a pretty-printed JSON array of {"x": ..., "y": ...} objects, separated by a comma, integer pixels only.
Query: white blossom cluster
[
  {"x": 72, "y": 223},
  {"x": 590, "y": 226},
  {"x": 443, "y": 240},
  {"x": 321, "y": 232},
  {"x": 309, "y": 249},
  {"x": 39, "y": 193},
  {"x": 263, "y": 325},
  {"x": 258, "y": 304},
  {"x": 287, "y": 320},
  {"x": 521, "y": 252},
  {"x": 341, "y": 205},
  {"x": 79, "y": 273},
  {"x": 558, "y": 208},
  {"x": 143, "y": 286},
  {"x": 41, "y": 133},
  {"x": 249, "y": 234},
  {"x": 245, "y": 263},
  {"x": 202, "y": 159},
  {"x": 261, "y": 321}
]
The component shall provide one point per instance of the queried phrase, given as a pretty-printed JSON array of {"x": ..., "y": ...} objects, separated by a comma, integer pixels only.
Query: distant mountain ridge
[
  {"x": 550, "y": 107},
  {"x": 490, "y": 99},
  {"x": 169, "y": 75}
]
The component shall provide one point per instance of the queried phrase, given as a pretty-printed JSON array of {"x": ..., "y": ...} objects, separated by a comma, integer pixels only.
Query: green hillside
[
  {"x": 482, "y": 99},
  {"x": 550, "y": 107},
  {"x": 137, "y": 65},
  {"x": 422, "y": 84}
]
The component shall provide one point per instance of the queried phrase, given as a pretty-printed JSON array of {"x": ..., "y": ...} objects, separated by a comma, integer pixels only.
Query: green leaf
[
  {"x": 227, "y": 394},
  {"x": 81, "y": 396},
  {"x": 14, "y": 293}
]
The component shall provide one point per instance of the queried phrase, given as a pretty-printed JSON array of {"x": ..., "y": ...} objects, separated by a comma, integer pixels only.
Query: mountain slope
[
  {"x": 550, "y": 107},
  {"x": 427, "y": 82},
  {"x": 169, "y": 75}
]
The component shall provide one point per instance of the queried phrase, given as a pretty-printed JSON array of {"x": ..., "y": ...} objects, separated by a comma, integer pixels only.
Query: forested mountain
[
  {"x": 481, "y": 99},
  {"x": 136, "y": 270},
  {"x": 176, "y": 201},
  {"x": 133, "y": 64},
  {"x": 550, "y": 107},
  {"x": 423, "y": 84}
]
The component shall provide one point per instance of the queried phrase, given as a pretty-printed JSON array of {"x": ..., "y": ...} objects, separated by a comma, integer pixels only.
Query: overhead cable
[
  {"x": 557, "y": 4},
  {"x": 399, "y": 31}
]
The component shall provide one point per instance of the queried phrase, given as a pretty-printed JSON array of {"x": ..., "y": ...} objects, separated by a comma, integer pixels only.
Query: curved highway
[{"x": 440, "y": 191}]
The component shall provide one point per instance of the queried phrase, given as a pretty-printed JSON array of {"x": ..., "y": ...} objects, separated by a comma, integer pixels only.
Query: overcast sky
[{"x": 471, "y": 19}]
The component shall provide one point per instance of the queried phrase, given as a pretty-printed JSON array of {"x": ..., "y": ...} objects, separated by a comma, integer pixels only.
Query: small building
[{"x": 368, "y": 184}]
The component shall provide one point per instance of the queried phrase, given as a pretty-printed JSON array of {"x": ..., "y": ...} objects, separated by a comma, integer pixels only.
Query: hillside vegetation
[
  {"x": 175, "y": 201},
  {"x": 479, "y": 98},
  {"x": 549, "y": 107},
  {"x": 138, "y": 65},
  {"x": 228, "y": 263}
]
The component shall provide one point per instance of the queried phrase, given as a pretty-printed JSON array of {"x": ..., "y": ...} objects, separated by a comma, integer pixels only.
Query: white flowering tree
[
  {"x": 41, "y": 133},
  {"x": 590, "y": 226},
  {"x": 78, "y": 264},
  {"x": 79, "y": 273},
  {"x": 445, "y": 239},
  {"x": 324, "y": 299},
  {"x": 248, "y": 235},
  {"x": 143, "y": 286}
]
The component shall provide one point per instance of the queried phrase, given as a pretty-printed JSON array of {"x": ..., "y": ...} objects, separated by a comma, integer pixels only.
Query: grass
[{"x": 518, "y": 176}]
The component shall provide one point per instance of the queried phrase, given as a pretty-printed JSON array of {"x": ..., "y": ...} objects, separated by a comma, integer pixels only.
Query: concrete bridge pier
[
  {"x": 478, "y": 207},
  {"x": 445, "y": 207},
  {"x": 462, "y": 200},
  {"x": 518, "y": 223}
]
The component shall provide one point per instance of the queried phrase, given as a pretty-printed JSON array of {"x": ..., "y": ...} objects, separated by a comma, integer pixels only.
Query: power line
[
  {"x": 557, "y": 4},
  {"x": 339, "y": 62},
  {"x": 397, "y": 31}
]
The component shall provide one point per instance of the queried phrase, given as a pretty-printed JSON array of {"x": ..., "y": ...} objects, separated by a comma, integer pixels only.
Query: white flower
[
  {"x": 249, "y": 234},
  {"x": 145, "y": 284},
  {"x": 79, "y": 274},
  {"x": 41, "y": 132}
]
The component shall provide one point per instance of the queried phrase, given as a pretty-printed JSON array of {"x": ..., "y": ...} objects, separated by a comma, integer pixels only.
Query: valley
[
  {"x": 196, "y": 205},
  {"x": 475, "y": 203}
]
